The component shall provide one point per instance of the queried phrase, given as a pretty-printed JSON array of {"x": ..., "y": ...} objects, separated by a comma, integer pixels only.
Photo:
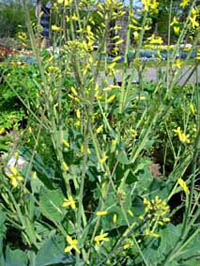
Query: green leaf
[
  {"x": 113, "y": 206},
  {"x": 50, "y": 204},
  {"x": 45, "y": 173},
  {"x": 2, "y": 233},
  {"x": 174, "y": 232},
  {"x": 52, "y": 252},
  {"x": 15, "y": 257},
  {"x": 123, "y": 158}
]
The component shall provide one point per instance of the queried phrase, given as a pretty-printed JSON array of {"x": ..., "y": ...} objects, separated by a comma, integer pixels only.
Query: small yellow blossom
[
  {"x": 72, "y": 245},
  {"x": 65, "y": 143},
  {"x": 103, "y": 159},
  {"x": 184, "y": 186},
  {"x": 111, "y": 98},
  {"x": 136, "y": 36},
  {"x": 111, "y": 87},
  {"x": 55, "y": 28},
  {"x": 194, "y": 22},
  {"x": 74, "y": 17},
  {"x": 15, "y": 177},
  {"x": 117, "y": 58},
  {"x": 151, "y": 233},
  {"x": 78, "y": 113},
  {"x": 150, "y": 5},
  {"x": 99, "y": 129},
  {"x": 101, "y": 213},
  {"x": 157, "y": 207},
  {"x": 102, "y": 237},
  {"x": 114, "y": 218},
  {"x": 67, "y": 2},
  {"x": 192, "y": 110},
  {"x": 174, "y": 22},
  {"x": 130, "y": 213},
  {"x": 127, "y": 244},
  {"x": 83, "y": 150},
  {"x": 74, "y": 91},
  {"x": 184, "y": 3},
  {"x": 65, "y": 166},
  {"x": 176, "y": 30},
  {"x": 69, "y": 202},
  {"x": 119, "y": 42},
  {"x": 53, "y": 69},
  {"x": 67, "y": 19},
  {"x": 155, "y": 39},
  {"x": 181, "y": 135},
  {"x": 2, "y": 130},
  {"x": 34, "y": 175},
  {"x": 178, "y": 63},
  {"x": 16, "y": 155}
]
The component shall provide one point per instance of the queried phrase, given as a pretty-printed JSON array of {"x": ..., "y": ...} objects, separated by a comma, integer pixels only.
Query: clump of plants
[{"x": 104, "y": 159}]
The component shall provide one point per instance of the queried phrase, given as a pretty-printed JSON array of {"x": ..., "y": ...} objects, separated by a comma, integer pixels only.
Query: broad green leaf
[
  {"x": 45, "y": 173},
  {"x": 52, "y": 252},
  {"x": 15, "y": 257},
  {"x": 50, "y": 204},
  {"x": 112, "y": 205}
]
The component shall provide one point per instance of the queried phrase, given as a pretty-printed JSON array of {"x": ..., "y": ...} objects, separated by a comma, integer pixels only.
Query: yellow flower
[
  {"x": 184, "y": 186},
  {"x": 114, "y": 218},
  {"x": 184, "y": 3},
  {"x": 2, "y": 130},
  {"x": 155, "y": 39},
  {"x": 181, "y": 135},
  {"x": 101, "y": 237},
  {"x": 178, "y": 63},
  {"x": 174, "y": 22},
  {"x": 119, "y": 42},
  {"x": 53, "y": 69},
  {"x": 192, "y": 110},
  {"x": 72, "y": 245},
  {"x": 127, "y": 244},
  {"x": 103, "y": 159},
  {"x": 176, "y": 30},
  {"x": 78, "y": 113},
  {"x": 69, "y": 202},
  {"x": 150, "y": 4},
  {"x": 130, "y": 213},
  {"x": 74, "y": 91},
  {"x": 74, "y": 17},
  {"x": 157, "y": 207},
  {"x": 136, "y": 35},
  {"x": 99, "y": 129},
  {"x": 67, "y": 2},
  {"x": 34, "y": 175},
  {"x": 101, "y": 213},
  {"x": 111, "y": 98},
  {"x": 117, "y": 58},
  {"x": 110, "y": 87},
  {"x": 55, "y": 28},
  {"x": 15, "y": 177},
  {"x": 151, "y": 233},
  {"x": 65, "y": 166},
  {"x": 67, "y": 19},
  {"x": 194, "y": 22},
  {"x": 66, "y": 143}
]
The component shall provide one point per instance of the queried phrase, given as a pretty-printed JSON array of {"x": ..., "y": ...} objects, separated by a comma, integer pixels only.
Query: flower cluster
[
  {"x": 15, "y": 177},
  {"x": 158, "y": 208},
  {"x": 151, "y": 5},
  {"x": 182, "y": 136}
]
